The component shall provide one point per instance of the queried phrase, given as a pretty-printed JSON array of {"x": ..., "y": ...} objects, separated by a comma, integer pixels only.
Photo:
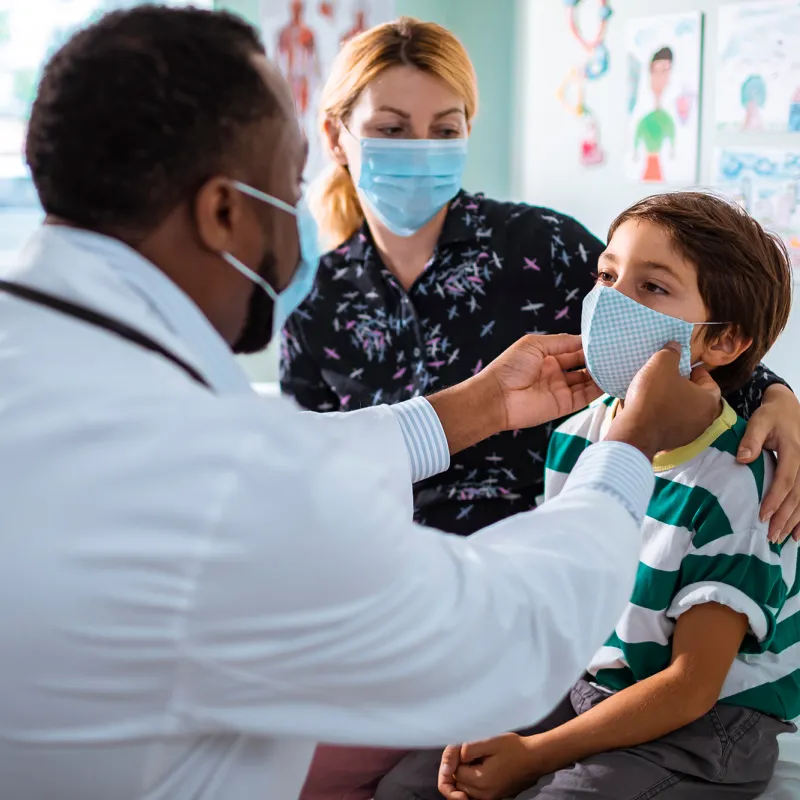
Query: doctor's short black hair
[{"x": 135, "y": 112}]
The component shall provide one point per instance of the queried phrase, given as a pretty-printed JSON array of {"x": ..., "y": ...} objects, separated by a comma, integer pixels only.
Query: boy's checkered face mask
[{"x": 620, "y": 336}]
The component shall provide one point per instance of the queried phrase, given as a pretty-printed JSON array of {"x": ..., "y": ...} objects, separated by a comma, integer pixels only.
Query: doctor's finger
[
  {"x": 571, "y": 360},
  {"x": 702, "y": 378},
  {"x": 578, "y": 376},
  {"x": 556, "y": 345},
  {"x": 585, "y": 393}
]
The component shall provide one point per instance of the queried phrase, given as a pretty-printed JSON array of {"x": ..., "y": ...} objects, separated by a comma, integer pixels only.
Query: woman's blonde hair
[{"x": 404, "y": 42}]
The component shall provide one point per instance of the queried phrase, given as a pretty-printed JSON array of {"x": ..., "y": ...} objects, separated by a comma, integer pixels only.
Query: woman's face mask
[{"x": 406, "y": 182}]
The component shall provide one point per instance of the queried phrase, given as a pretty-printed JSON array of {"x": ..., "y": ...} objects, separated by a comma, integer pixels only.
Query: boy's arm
[{"x": 706, "y": 640}]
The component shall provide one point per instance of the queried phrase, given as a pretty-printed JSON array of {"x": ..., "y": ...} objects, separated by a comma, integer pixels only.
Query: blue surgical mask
[
  {"x": 302, "y": 282},
  {"x": 620, "y": 336},
  {"x": 406, "y": 182}
]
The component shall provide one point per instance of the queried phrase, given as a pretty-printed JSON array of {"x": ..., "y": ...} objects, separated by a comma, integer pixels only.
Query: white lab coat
[{"x": 196, "y": 587}]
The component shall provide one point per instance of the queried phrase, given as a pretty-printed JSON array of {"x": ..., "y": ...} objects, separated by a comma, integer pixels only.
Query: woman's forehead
[{"x": 409, "y": 90}]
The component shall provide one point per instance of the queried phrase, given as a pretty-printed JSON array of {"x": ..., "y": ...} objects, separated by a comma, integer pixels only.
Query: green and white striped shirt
[{"x": 702, "y": 542}]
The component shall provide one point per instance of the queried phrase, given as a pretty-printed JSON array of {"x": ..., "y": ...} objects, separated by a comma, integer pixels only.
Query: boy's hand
[
  {"x": 663, "y": 410},
  {"x": 447, "y": 774},
  {"x": 776, "y": 426},
  {"x": 497, "y": 768}
]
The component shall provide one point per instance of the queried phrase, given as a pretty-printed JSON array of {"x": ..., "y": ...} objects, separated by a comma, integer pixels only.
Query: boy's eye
[
  {"x": 654, "y": 288},
  {"x": 605, "y": 277}
]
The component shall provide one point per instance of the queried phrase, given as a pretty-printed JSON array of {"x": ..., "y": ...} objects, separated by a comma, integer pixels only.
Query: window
[{"x": 30, "y": 32}]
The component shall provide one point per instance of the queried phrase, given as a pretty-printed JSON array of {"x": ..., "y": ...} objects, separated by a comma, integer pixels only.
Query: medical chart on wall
[
  {"x": 30, "y": 32},
  {"x": 303, "y": 37},
  {"x": 663, "y": 98},
  {"x": 758, "y": 59},
  {"x": 766, "y": 182}
]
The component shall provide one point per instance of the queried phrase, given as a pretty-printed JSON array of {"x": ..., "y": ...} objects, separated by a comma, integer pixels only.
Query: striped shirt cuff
[
  {"x": 618, "y": 469},
  {"x": 424, "y": 437}
]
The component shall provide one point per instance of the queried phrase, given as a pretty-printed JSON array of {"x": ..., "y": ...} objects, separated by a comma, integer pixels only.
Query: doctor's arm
[{"x": 340, "y": 620}]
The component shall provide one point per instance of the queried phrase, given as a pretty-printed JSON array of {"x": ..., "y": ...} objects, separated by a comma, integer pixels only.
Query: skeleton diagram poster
[{"x": 303, "y": 37}]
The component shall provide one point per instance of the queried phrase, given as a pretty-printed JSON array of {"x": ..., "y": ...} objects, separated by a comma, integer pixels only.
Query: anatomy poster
[
  {"x": 765, "y": 181},
  {"x": 758, "y": 61},
  {"x": 663, "y": 102},
  {"x": 303, "y": 37}
]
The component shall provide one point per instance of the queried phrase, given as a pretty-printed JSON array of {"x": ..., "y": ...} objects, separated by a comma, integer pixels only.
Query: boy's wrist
[{"x": 549, "y": 751}]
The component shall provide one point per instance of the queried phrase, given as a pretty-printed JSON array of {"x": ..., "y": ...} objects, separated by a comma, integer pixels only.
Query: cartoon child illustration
[
  {"x": 657, "y": 126},
  {"x": 754, "y": 97}
]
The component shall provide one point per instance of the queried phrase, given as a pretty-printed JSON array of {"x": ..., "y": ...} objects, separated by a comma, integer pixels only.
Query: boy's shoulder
[{"x": 705, "y": 485}]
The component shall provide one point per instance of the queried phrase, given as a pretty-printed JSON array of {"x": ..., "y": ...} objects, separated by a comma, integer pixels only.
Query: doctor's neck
[{"x": 406, "y": 257}]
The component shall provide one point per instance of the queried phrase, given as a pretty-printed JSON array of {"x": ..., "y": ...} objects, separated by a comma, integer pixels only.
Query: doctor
[{"x": 197, "y": 584}]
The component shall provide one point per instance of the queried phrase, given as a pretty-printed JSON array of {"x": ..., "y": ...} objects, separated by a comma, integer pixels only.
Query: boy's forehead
[{"x": 643, "y": 241}]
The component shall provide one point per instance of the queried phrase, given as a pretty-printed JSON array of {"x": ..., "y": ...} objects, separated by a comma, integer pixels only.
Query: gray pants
[{"x": 729, "y": 753}]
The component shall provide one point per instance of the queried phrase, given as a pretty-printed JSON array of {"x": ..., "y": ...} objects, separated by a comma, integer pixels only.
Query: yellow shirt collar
[{"x": 674, "y": 458}]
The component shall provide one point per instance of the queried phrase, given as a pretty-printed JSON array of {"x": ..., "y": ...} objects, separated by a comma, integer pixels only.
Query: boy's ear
[{"x": 724, "y": 348}]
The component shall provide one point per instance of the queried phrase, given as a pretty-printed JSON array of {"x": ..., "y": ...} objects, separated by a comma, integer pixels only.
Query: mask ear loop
[{"x": 238, "y": 265}]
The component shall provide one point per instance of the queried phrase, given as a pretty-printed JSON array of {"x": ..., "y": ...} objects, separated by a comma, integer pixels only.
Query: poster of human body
[
  {"x": 664, "y": 61},
  {"x": 303, "y": 37},
  {"x": 758, "y": 59},
  {"x": 765, "y": 181}
]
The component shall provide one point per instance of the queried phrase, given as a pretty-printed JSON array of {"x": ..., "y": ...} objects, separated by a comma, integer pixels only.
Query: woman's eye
[
  {"x": 450, "y": 133},
  {"x": 391, "y": 130}
]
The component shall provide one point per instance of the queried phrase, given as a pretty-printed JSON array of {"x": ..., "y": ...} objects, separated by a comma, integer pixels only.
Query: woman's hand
[
  {"x": 776, "y": 426},
  {"x": 497, "y": 768},
  {"x": 540, "y": 379}
]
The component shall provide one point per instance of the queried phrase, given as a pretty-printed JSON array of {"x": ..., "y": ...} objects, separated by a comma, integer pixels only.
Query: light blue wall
[{"x": 488, "y": 30}]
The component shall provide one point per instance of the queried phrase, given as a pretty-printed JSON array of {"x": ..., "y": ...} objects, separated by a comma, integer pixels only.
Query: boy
[{"x": 687, "y": 697}]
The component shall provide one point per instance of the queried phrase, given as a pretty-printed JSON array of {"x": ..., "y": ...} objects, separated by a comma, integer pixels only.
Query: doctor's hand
[
  {"x": 663, "y": 410},
  {"x": 536, "y": 380},
  {"x": 535, "y": 383}
]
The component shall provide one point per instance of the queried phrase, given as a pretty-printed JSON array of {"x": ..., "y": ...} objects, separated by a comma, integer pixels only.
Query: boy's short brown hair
[{"x": 744, "y": 273}]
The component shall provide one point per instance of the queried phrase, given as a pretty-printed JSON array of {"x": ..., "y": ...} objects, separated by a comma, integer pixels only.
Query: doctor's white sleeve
[{"x": 330, "y": 615}]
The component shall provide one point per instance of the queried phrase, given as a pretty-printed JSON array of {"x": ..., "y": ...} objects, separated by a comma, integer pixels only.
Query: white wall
[{"x": 547, "y": 138}]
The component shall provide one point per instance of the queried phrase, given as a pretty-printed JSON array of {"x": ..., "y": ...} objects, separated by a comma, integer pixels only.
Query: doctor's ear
[
  {"x": 218, "y": 210},
  {"x": 724, "y": 346},
  {"x": 333, "y": 134}
]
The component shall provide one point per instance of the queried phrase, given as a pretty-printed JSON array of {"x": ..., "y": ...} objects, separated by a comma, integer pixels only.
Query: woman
[{"x": 427, "y": 283}]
